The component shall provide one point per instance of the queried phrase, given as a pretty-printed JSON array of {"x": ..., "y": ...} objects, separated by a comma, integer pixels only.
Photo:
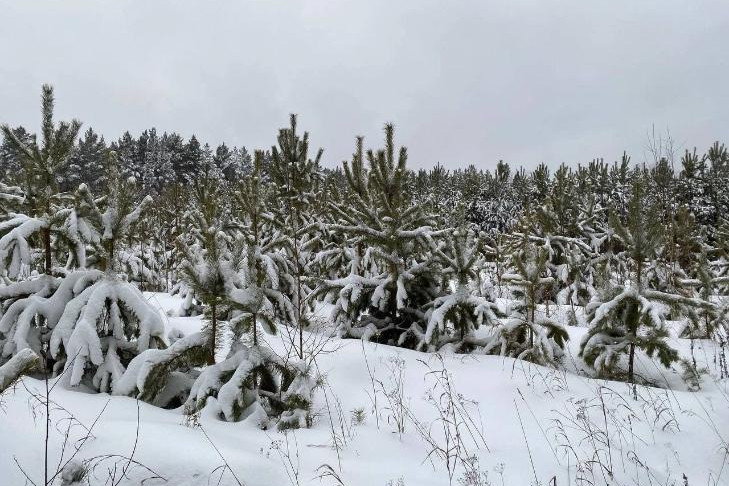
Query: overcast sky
[{"x": 464, "y": 81}]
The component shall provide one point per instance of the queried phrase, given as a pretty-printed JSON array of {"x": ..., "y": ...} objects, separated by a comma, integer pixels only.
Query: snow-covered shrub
[
  {"x": 106, "y": 323},
  {"x": 20, "y": 364},
  {"x": 191, "y": 305},
  {"x": 164, "y": 377},
  {"x": 254, "y": 383}
]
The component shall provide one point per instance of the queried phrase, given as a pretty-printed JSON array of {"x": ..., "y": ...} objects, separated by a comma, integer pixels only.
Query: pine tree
[
  {"x": 107, "y": 320},
  {"x": 497, "y": 208},
  {"x": 89, "y": 321},
  {"x": 233, "y": 164},
  {"x": 252, "y": 383},
  {"x": 186, "y": 166},
  {"x": 12, "y": 198},
  {"x": 295, "y": 177},
  {"x": 705, "y": 320},
  {"x": 39, "y": 213},
  {"x": 453, "y": 317},
  {"x": 205, "y": 263},
  {"x": 157, "y": 166},
  {"x": 718, "y": 176},
  {"x": 720, "y": 254},
  {"x": 42, "y": 166},
  {"x": 524, "y": 335},
  {"x": 126, "y": 148},
  {"x": 629, "y": 316},
  {"x": 555, "y": 228},
  {"x": 390, "y": 269},
  {"x": 256, "y": 296}
]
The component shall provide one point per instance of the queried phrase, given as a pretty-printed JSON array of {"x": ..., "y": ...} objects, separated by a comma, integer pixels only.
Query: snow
[
  {"x": 135, "y": 376},
  {"x": 653, "y": 439},
  {"x": 13, "y": 369},
  {"x": 14, "y": 244},
  {"x": 77, "y": 329}
]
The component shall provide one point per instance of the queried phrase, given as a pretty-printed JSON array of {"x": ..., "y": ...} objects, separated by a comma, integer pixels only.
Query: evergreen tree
[
  {"x": 174, "y": 146},
  {"x": 125, "y": 149},
  {"x": 233, "y": 164},
  {"x": 453, "y": 317},
  {"x": 86, "y": 164},
  {"x": 629, "y": 316},
  {"x": 718, "y": 177},
  {"x": 187, "y": 166},
  {"x": 41, "y": 167},
  {"x": 524, "y": 335},
  {"x": 390, "y": 270},
  {"x": 295, "y": 177},
  {"x": 107, "y": 320},
  {"x": 205, "y": 266},
  {"x": 256, "y": 296},
  {"x": 497, "y": 208},
  {"x": 11, "y": 159},
  {"x": 252, "y": 383},
  {"x": 157, "y": 168},
  {"x": 12, "y": 198}
]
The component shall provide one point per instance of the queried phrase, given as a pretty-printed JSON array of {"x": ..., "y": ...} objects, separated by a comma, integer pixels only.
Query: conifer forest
[{"x": 182, "y": 312}]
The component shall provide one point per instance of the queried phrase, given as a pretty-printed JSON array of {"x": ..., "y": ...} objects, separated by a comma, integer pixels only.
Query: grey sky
[{"x": 464, "y": 81}]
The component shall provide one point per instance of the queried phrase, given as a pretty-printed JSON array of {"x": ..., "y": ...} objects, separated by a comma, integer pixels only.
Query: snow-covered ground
[{"x": 521, "y": 424}]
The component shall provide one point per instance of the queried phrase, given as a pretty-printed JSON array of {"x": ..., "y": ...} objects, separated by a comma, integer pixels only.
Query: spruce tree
[{"x": 87, "y": 164}]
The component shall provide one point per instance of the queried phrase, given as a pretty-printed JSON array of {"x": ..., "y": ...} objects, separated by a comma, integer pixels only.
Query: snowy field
[{"x": 389, "y": 416}]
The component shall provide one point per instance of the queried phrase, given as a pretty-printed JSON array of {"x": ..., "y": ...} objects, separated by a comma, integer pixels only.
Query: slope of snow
[{"x": 537, "y": 424}]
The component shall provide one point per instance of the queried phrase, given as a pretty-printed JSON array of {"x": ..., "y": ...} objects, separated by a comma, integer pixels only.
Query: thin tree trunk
[
  {"x": 48, "y": 423},
  {"x": 531, "y": 305},
  {"x": 110, "y": 256},
  {"x": 46, "y": 234},
  {"x": 213, "y": 333},
  {"x": 631, "y": 359},
  {"x": 141, "y": 250}
]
